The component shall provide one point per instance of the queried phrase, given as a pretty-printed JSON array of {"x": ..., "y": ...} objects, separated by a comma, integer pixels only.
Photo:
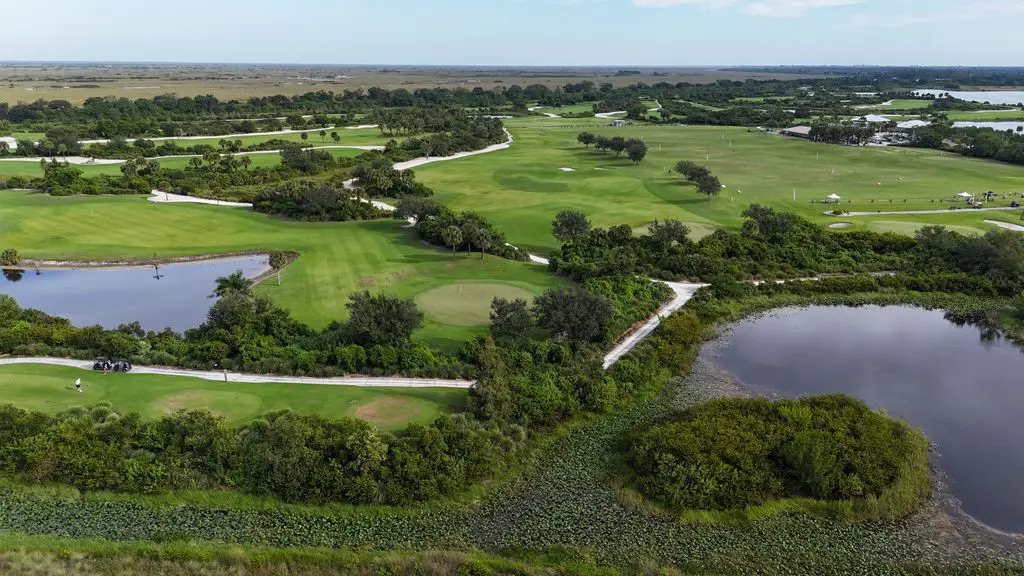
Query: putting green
[
  {"x": 224, "y": 403},
  {"x": 698, "y": 230},
  {"x": 910, "y": 228},
  {"x": 392, "y": 411},
  {"x": 51, "y": 389},
  {"x": 466, "y": 304}
]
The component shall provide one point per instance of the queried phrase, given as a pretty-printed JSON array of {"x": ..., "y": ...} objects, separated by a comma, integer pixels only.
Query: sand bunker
[
  {"x": 1006, "y": 225},
  {"x": 841, "y": 225},
  {"x": 567, "y": 169}
]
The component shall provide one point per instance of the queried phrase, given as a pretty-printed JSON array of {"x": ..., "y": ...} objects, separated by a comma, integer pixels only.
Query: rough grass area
[
  {"x": 521, "y": 189},
  {"x": 51, "y": 389},
  {"x": 335, "y": 259},
  {"x": 467, "y": 304}
]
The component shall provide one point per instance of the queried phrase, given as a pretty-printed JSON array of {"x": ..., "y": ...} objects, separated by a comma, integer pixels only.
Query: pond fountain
[
  {"x": 173, "y": 296},
  {"x": 966, "y": 393}
]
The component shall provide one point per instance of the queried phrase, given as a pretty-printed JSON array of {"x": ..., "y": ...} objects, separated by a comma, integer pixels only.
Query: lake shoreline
[
  {"x": 120, "y": 264},
  {"x": 940, "y": 520}
]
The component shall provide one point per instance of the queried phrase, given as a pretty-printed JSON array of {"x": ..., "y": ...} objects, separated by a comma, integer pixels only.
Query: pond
[
  {"x": 967, "y": 394},
  {"x": 1010, "y": 97},
  {"x": 178, "y": 299}
]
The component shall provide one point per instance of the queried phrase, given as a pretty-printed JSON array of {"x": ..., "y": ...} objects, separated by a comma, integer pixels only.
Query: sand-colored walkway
[{"x": 1006, "y": 225}]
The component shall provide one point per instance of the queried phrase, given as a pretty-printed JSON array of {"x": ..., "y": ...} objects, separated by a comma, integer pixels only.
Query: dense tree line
[
  {"x": 314, "y": 202},
  {"x": 841, "y": 133},
  {"x": 825, "y": 447},
  {"x": 782, "y": 245},
  {"x": 469, "y": 231},
  {"x": 635, "y": 148}
]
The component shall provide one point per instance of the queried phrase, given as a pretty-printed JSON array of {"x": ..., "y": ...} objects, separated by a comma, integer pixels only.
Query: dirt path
[
  {"x": 684, "y": 292},
  {"x": 610, "y": 115},
  {"x": 217, "y": 376},
  {"x": 944, "y": 211}
]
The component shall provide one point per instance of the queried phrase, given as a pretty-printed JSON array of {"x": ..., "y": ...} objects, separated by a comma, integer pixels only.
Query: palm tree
[
  {"x": 452, "y": 236},
  {"x": 335, "y": 137},
  {"x": 483, "y": 240},
  {"x": 304, "y": 136},
  {"x": 323, "y": 136},
  {"x": 236, "y": 282},
  {"x": 246, "y": 162}
]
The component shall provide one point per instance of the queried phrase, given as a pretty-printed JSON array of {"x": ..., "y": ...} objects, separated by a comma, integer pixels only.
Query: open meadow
[
  {"x": 522, "y": 189},
  {"x": 335, "y": 259},
  {"x": 51, "y": 389}
]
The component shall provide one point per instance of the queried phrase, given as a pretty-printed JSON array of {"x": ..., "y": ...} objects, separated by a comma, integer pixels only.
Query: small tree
[
  {"x": 511, "y": 321},
  {"x": 379, "y": 319},
  {"x": 483, "y": 240},
  {"x": 452, "y": 236},
  {"x": 335, "y": 137},
  {"x": 469, "y": 234},
  {"x": 708, "y": 184},
  {"x": 570, "y": 225},
  {"x": 573, "y": 314},
  {"x": 278, "y": 259},
  {"x": 636, "y": 150},
  {"x": 10, "y": 257},
  {"x": 586, "y": 138},
  {"x": 233, "y": 283},
  {"x": 323, "y": 136},
  {"x": 304, "y": 136}
]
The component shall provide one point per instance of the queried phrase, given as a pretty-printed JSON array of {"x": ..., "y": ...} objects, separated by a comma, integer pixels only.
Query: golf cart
[{"x": 103, "y": 364}]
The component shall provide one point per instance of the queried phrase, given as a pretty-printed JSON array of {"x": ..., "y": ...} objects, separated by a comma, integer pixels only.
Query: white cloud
[
  {"x": 792, "y": 8},
  {"x": 970, "y": 10},
  {"x": 764, "y": 8},
  {"x": 711, "y": 4}
]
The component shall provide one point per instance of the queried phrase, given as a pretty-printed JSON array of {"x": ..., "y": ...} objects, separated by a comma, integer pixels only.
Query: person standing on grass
[{"x": 78, "y": 384}]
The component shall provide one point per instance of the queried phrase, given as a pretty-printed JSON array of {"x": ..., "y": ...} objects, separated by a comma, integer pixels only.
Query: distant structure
[
  {"x": 870, "y": 119},
  {"x": 12, "y": 144},
  {"x": 618, "y": 123},
  {"x": 797, "y": 132}
]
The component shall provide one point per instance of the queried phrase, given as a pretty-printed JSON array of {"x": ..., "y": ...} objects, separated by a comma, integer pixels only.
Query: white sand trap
[
  {"x": 76, "y": 160},
  {"x": 361, "y": 127},
  {"x": 601, "y": 169},
  {"x": 841, "y": 225},
  {"x": 567, "y": 169},
  {"x": 610, "y": 115},
  {"x": 1006, "y": 225},
  {"x": 169, "y": 198}
]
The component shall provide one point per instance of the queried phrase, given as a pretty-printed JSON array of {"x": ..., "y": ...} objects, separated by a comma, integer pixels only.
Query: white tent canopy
[
  {"x": 965, "y": 195},
  {"x": 833, "y": 197}
]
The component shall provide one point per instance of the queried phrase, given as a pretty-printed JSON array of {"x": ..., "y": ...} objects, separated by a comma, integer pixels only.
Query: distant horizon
[
  {"x": 520, "y": 33},
  {"x": 507, "y": 66}
]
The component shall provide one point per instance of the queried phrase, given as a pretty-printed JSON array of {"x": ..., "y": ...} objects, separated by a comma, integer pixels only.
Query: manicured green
[
  {"x": 570, "y": 109},
  {"x": 987, "y": 116},
  {"x": 51, "y": 389},
  {"x": 521, "y": 189},
  {"x": 467, "y": 304},
  {"x": 336, "y": 258}
]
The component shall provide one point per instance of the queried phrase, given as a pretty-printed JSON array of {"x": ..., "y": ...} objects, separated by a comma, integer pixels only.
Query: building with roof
[
  {"x": 12, "y": 144},
  {"x": 797, "y": 132}
]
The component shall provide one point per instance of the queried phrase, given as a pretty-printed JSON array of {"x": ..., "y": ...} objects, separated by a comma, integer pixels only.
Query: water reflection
[
  {"x": 965, "y": 392},
  {"x": 172, "y": 295}
]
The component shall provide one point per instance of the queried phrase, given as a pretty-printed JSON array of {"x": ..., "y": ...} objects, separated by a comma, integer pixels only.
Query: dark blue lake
[
  {"x": 965, "y": 393},
  {"x": 178, "y": 299}
]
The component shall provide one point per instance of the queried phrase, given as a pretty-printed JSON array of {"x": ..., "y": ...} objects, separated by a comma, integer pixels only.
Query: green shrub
[
  {"x": 9, "y": 257},
  {"x": 737, "y": 453}
]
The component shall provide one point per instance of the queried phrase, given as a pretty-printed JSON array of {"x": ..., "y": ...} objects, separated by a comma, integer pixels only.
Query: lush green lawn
[
  {"x": 988, "y": 116},
  {"x": 33, "y": 169},
  {"x": 571, "y": 109},
  {"x": 336, "y": 258},
  {"x": 363, "y": 137},
  {"x": 521, "y": 189},
  {"x": 51, "y": 389}
]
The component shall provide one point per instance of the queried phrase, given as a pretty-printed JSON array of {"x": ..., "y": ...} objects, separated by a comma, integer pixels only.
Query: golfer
[{"x": 78, "y": 384}]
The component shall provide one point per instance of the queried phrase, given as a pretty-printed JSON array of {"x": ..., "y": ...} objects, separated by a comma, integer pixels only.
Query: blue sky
[{"x": 519, "y": 32}]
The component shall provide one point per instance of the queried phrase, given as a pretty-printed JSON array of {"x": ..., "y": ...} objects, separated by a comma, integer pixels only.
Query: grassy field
[
  {"x": 33, "y": 169},
  {"x": 336, "y": 258},
  {"x": 363, "y": 137},
  {"x": 51, "y": 389},
  {"x": 571, "y": 109},
  {"x": 521, "y": 189},
  {"x": 987, "y": 116}
]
